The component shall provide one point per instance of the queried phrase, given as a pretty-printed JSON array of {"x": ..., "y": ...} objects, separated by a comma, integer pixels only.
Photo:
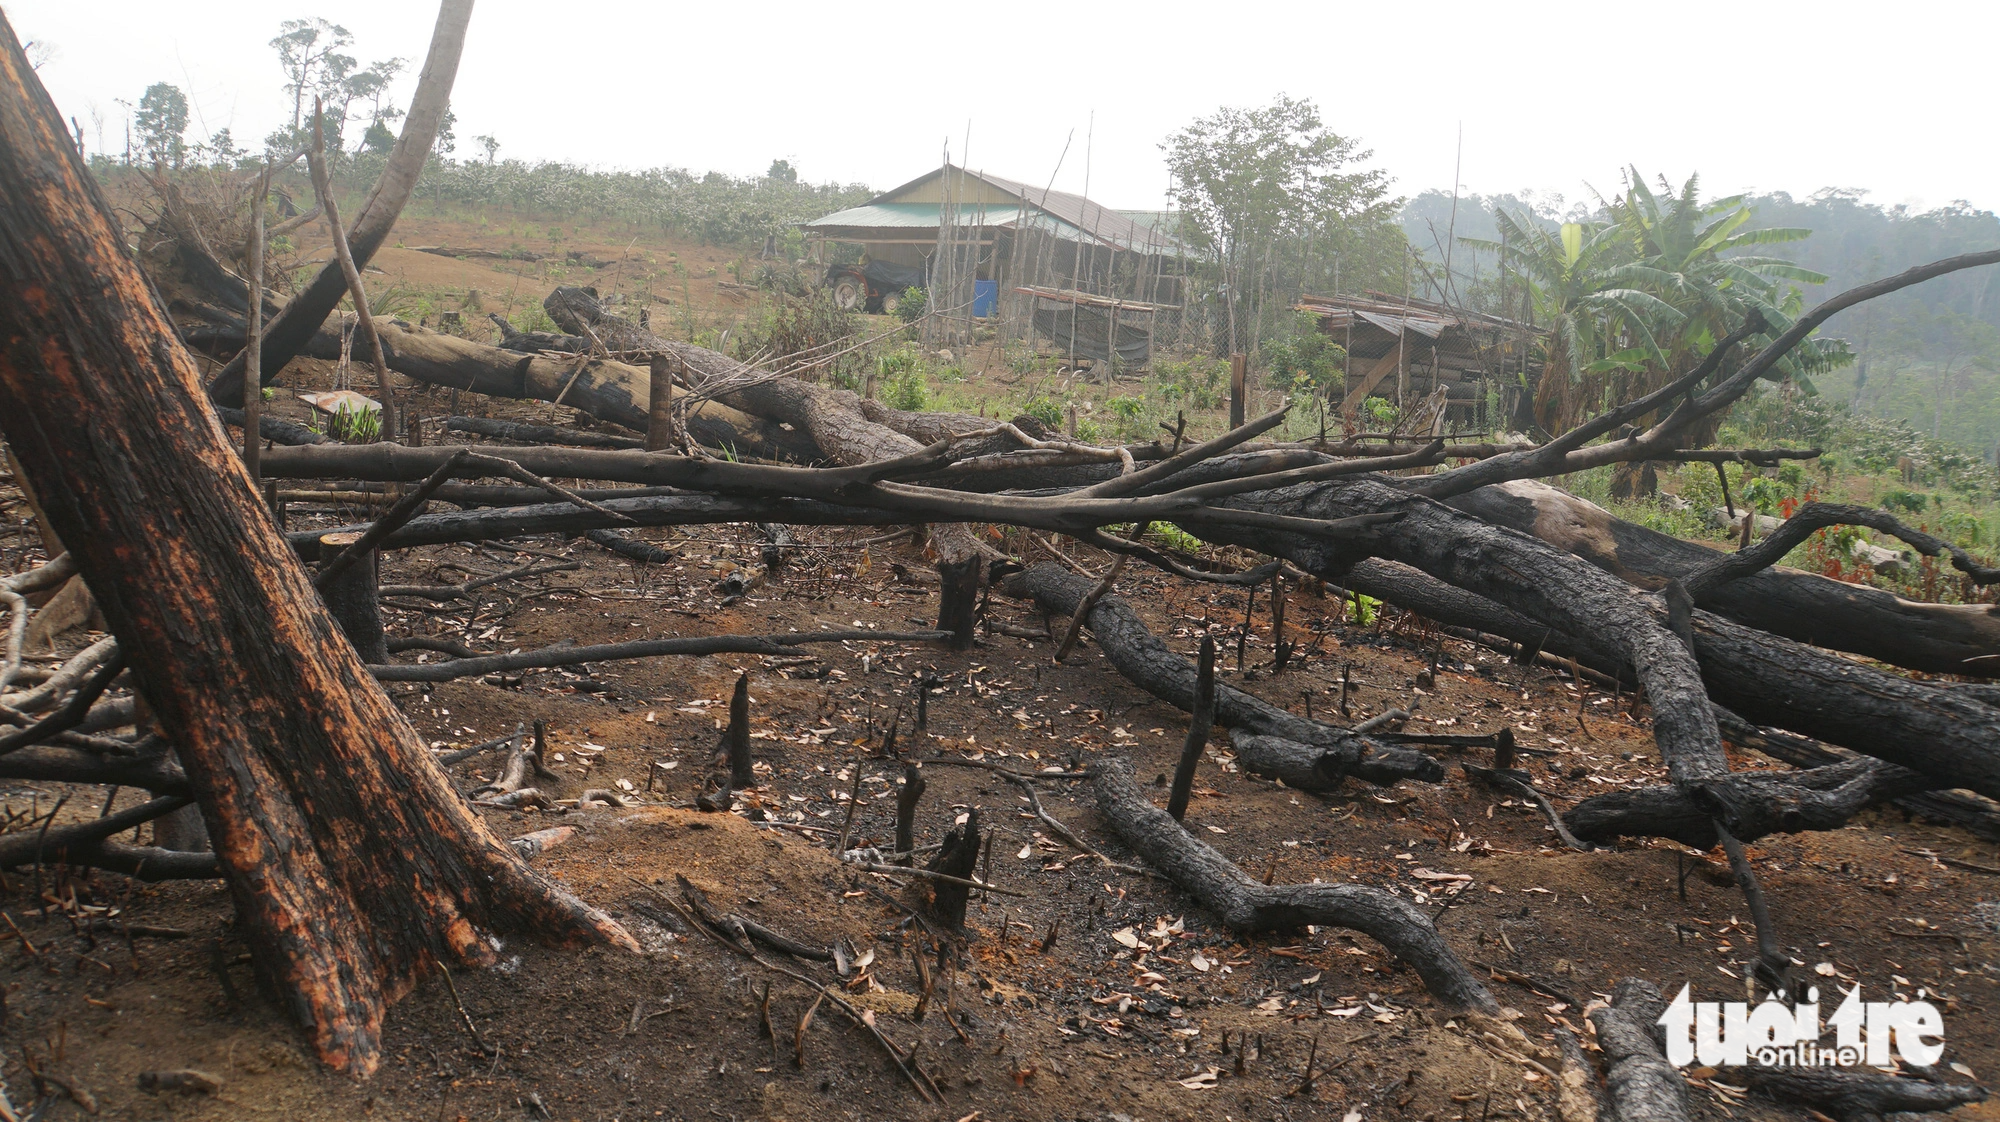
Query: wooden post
[
  {"x": 1239, "y": 377},
  {"x": 352, "y": 597},
  {"x": 659, "y": 405},
  {"x": 253, "y": 346},
  {"x": 1201, "y": 723}
]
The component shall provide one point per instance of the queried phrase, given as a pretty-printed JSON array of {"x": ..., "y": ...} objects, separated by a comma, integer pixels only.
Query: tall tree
[
  {"x": 310, "y": 52},
  {"x": 162, "y": 123},
  {"x": 1272, "y": 192},
  {"x": 355, "y": 867}
]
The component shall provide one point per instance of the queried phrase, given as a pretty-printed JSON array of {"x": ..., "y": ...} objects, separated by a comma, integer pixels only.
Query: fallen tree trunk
[
  {"x": 1247, "y": 907},
  {"x": 1272, "y": 742},
  {"x": 1859, "y": 1096},
  {"x": 831, "y": 417},
  {"x": 1934, "y": 638},
  {"x": 1644, "y": 1087},
  {"x": 355, "y": 867},
  {"x": 610, "y": 391},
  {"x": 1771, "y": 682}
]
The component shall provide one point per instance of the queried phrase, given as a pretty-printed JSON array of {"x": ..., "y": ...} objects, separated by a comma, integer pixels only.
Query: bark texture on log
[
  {"x": 1821, "y": 798},
  {"x": 1952, "y": 735},
  {"x": 1522, "y": 573},
  {"x": 1247, "y": 907},
  {"x": 1858, "y": 1096},
  {"x": 1644, "y": 1086},
  {"x": 608, "y": 390},
  {"x": 354, "y": 864},
  {"x": 1305, "y": 754},
  {"x": 1935, "y": 638}
]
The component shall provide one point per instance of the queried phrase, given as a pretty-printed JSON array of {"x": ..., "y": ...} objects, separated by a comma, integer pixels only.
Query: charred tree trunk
[
  {"x": 1269, "y": 741},
  {"x": 354, "y": 865},
  {"x": 1247, "y": 907},
  {"x": 610, "y": 391},
  {"x": 1935, "y": 638},
  {"x": 958, "y": 858},
  {"x": 1950, "y": 735},
  {"x": 1644, "y": 1086}
]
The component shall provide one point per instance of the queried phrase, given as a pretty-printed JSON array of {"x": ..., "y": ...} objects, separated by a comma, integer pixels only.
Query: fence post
[{"x": 1239, "y": 377}]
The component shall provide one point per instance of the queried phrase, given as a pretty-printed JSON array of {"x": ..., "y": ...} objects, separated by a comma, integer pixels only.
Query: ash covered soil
[{"x": 1088, "y": 992}]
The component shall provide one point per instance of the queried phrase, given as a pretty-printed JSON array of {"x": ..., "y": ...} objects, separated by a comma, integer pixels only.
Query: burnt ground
[{"x": 1124, "y": 1013}]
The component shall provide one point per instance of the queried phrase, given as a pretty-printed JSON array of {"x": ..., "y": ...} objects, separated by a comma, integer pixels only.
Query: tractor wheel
[
  {"x": 849, "y": 293},
  {"x": 890, "y": 301}
]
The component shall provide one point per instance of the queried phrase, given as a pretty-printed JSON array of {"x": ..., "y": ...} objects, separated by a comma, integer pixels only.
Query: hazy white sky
[{"x": 1554, "y": 96}]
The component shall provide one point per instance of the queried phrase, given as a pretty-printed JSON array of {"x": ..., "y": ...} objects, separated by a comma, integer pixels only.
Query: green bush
[
  {"x": 912, "y": 305},
  {"x": 1045, "y": 409},
  {"x": 1910, "y": 502},
  {"x": 1304, "y": 352},
  {"x": 1201, "y": 382},
  {"x": 902, "y": 383}
]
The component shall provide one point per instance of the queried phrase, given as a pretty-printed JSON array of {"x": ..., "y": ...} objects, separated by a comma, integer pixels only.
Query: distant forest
[{"x": 1928, "y": 355}]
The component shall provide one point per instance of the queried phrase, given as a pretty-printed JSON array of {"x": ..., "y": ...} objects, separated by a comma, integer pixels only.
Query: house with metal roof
[{"x": 1039, "y": 247}]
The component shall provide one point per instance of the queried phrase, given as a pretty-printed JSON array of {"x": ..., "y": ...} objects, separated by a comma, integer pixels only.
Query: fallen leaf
[
  {"x": 1125, "y": 938},
  {"x": 1206, "y": 1080},
  {"x": 1200, "y": 962}
]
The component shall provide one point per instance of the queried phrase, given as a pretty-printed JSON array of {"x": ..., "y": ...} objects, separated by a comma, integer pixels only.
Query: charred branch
[{"x": 1247, "y": 907}]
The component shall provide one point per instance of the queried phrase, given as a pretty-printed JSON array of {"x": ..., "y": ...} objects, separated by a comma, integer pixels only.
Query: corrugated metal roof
[
  {"x": 1068, "y": 216},
  {"x": 920, "y": 216}
]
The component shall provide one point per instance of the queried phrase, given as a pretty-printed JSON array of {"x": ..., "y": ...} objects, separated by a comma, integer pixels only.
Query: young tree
[
  {"x": 489, "y": 145},
  {"x": 162, "y": 120},
  {"x": 447, "y": 140}
]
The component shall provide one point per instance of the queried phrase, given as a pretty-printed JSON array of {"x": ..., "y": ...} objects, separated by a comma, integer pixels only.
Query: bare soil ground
[{"x": 1096, "y": 994}]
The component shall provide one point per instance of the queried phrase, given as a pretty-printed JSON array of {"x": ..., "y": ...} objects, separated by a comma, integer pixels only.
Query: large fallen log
[
  {"x": 1935, "y": 638},
  {"x": 605, "y": 389},
  {"x": 1949, "y": 734}
]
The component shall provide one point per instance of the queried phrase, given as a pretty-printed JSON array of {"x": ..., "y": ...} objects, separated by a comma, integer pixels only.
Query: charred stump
[{"x": 958, "y": 858}]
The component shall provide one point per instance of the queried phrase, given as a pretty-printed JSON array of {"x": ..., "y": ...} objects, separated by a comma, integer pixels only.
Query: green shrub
[
  {"x": 1910, "y": 502},
  {"x": 1201, "y": 382},
  {"x": 1303, "y": 352},
  {"x": 1045, "y": 409},
  {"x": 901, "y": 382}
]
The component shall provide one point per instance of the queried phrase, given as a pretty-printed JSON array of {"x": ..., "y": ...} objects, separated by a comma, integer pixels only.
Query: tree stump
[{"x": 353, "y": 598}]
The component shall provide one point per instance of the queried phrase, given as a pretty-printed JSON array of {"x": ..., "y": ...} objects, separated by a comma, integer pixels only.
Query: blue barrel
[{"x": 985, "y": 298}]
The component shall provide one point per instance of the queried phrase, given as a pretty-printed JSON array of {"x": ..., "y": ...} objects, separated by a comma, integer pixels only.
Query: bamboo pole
[
  {"x": 253, "y": 347},
  {"x": 323, "y": 184}
]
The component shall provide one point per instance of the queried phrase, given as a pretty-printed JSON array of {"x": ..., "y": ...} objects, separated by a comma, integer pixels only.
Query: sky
[{"x": 1547, "y": 96}]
